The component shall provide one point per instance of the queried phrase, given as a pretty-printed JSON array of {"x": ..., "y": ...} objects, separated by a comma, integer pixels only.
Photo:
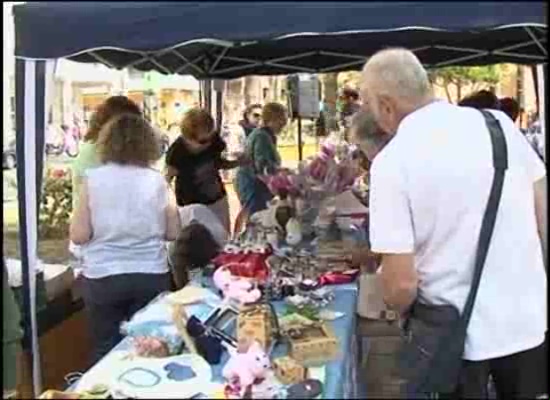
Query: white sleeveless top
[{"x": 127, "y": 207}]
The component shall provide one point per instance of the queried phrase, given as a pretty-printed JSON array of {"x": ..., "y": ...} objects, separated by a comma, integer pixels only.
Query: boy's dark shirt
[{"x": 198, "y": 179}]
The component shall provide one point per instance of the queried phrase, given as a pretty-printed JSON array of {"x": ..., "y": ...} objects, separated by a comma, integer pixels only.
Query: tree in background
[
  {"x": 470, "y": 78},
  {"x": 253, "y": 92},
  {"x": 330, "y": 96},
  {"x": 349, "y": 79}
]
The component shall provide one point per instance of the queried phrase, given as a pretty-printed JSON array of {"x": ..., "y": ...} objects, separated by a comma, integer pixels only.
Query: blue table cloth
[{"x": 341, "y": 374}]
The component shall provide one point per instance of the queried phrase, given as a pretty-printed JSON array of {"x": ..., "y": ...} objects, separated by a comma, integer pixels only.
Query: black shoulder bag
[{"x": 430, "y": 359}]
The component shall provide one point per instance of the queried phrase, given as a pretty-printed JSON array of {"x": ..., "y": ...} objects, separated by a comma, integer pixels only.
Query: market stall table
[{"x": 338, "y": 376}]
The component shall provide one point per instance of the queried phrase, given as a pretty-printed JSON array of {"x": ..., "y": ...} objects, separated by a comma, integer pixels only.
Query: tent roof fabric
[{"x": 232, "y": 39}]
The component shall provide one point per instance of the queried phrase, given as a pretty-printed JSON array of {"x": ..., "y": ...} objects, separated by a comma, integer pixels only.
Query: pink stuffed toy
[
  {"x": 244, "y": 368},
  {"x": 234, "y": 287}
]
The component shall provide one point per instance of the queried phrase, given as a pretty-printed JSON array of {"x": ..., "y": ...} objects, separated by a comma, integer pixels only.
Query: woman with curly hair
[
  {"x": 87, "y": 157},
  {"x": 125, "y": 213}
]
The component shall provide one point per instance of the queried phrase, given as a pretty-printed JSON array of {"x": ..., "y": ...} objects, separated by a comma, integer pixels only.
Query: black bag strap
[{"x": 500, "y": 163}]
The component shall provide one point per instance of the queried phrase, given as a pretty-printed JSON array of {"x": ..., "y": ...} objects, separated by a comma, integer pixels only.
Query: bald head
[
  {"x": 394, "y": 83},
  {"x": 397, "y": 73}
]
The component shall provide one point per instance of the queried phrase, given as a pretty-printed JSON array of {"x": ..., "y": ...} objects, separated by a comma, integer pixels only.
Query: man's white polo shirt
[{"x": 429, "y": 190}]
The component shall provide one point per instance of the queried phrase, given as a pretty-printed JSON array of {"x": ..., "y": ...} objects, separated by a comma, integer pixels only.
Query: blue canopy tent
[{"x": 228, "y": 40}]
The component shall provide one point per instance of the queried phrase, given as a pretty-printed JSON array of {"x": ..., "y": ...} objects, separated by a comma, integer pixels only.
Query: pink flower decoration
[{"x": 58, "y": 173}]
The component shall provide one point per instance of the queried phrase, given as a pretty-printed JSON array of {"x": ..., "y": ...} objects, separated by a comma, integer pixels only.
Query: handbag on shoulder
[{"x": 430, "y": 359}]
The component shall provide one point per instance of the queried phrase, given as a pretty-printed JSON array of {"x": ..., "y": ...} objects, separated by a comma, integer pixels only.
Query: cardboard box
[{"x": 58, "y": 279}]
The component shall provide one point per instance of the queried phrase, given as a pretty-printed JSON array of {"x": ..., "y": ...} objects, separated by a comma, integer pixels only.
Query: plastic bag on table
[{"x": 153, "y": 331}]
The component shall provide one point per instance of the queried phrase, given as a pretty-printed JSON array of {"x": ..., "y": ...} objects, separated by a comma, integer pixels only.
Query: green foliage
[
  {"x": 349, "y": 79},
  {"x": 56, "y": 205},
  {"x": 466, "y": 75},
  {"x": 461, "y": 77}
]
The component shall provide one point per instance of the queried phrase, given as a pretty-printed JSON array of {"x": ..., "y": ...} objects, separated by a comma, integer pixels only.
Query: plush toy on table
[
  {"x": 146, "y": 346},
  {"x": 244, "y": 368},
  {"x": 321, "y": 164},
  {"x": 235, "y": 288}
]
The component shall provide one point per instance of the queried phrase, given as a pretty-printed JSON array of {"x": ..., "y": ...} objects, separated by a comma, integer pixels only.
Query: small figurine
[
  {"x": 234, "y": 287},
  {"x": 245, "y": 367},
  {"x": 293, "y": 232}
]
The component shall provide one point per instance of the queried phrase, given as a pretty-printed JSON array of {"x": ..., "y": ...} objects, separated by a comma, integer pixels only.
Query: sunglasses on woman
[{"x": 206, "y": 140}]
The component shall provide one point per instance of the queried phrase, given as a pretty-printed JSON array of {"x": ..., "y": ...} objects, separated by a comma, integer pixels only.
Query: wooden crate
[
  {"x": 254, "y": 323},
  {"x": 316, "y": 345},
  {"x": 288, "y": 371}
]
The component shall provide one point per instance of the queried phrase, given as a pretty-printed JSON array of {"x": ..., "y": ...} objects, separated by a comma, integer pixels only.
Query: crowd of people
[{"x": 139, "y": 231}]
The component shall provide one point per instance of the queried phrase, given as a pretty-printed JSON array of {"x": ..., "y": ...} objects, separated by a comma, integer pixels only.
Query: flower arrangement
[
  {"x": 317, "y": 181},
  {"x": 56, "y": 205}
]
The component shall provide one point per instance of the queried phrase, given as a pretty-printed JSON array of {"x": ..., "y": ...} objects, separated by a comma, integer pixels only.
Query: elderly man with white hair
[{"x": 429, "y": 189}]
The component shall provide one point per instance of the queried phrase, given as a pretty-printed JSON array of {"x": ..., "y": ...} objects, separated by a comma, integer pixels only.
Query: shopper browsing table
[
  {"x": 427, "y": 202},
  {"x": 125, "y": 214},
  {"x": 87, "y": 157},
  {"x": 261, "y": 150},
  {"x": 195, "y": 159}
]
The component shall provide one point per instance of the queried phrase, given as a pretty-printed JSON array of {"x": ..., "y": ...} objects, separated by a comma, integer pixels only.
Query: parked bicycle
[{"x": 69, "y": 144}]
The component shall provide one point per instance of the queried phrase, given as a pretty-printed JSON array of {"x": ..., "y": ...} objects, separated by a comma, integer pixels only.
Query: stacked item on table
[
  {"x": 179, "y": 338},
  {"x": 305, "y": 198}
]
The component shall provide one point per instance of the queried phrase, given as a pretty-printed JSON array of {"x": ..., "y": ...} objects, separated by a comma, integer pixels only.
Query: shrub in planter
[{"x": 56, "y": 205}]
